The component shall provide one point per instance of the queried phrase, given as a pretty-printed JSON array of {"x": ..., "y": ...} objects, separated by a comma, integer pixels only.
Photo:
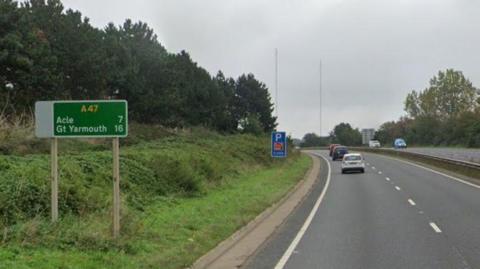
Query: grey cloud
[{"x": 373, "y": 52}]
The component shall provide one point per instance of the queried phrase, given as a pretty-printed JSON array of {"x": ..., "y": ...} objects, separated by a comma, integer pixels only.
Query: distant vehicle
[
  {"x": 353, "y": 162},
  {"x": 339, "y": 152},
  {"x": 399, "y": 143},
  {"x": 331, "y": 148},
  {"x": 374, "y": 144}
]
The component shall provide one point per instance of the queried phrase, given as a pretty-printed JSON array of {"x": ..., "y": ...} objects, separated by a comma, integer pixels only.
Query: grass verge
[{"x": 168, "y": 228}]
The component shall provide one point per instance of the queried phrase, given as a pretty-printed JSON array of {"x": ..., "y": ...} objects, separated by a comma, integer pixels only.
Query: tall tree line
[
  {"x": 343, "y": 133},
  {"x": 445, "y": 113},
  {"x": 48, "y": 53}
]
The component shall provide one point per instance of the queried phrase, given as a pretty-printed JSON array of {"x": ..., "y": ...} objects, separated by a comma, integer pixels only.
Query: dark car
[
  {"x": 331, "y": 148},
  {"x": 338, "y": 152}
]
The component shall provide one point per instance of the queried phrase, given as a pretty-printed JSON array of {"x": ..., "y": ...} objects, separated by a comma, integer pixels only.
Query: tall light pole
[
  {"x": 320, "y": 89},
  {"x": 276, "y": 83}
]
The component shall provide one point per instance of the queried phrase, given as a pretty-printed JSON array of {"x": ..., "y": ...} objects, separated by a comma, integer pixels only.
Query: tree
[
  {"x": 138, "y": 72},
  {"x": 448, "y": 95},
  {"x": 251, "y": 124},
  {"x": 252, "y": 98},
  {"x": 27, "y": 65},
  {"x": 48, "y": 53},
  {"x": 76, "y": 45},
  {"x": 403, "y": 128},
  {"x": 344, "y": 134},
  {"x": 224, "y": 113},
  {"x": 313, "y": 140}
]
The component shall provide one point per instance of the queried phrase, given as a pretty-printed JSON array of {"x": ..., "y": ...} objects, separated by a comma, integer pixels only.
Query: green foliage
[
  {"x": 449, "y": 95},
  {"x": 149, "y": 170},
  {"x": 176, "y": 205},
  {"x": 473, "y": 134},
  {"x": 253, "y": 102},
  {"x": 171, "y": 233},
  {"x": 313, "y": 140},
  {"x": 446, "y": 113},
  {"x": 23, "y": 192},
  {"x": 251, "y": 124},
  {"x": 344, "y": 134},
  {"x": 27, "y": 66},
  {"x": 49, "y": 53}
]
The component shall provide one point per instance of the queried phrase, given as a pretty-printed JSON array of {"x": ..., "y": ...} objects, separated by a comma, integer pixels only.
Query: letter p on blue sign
[{"x": 279, "y": 144}]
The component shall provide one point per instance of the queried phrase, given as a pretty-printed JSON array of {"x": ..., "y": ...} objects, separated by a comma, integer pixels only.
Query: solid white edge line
[
  {"x": 436, "y": 172},
  {"x": 281, "y": 263},
  {"x": 397, "y": 187},
  {"x": 411, "y": 202},
  {"x": 435, "y": 227}
]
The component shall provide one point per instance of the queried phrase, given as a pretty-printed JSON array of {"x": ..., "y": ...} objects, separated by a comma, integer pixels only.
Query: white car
[
  {"x": 353, "y": 162},
  {"x": 374, "y": 144}
]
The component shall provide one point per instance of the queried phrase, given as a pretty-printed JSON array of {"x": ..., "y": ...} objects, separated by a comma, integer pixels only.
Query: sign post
[
  {"x": 83, "y": 119},
  {"x": 279, "y": 144},
  {"x": 116, "y": 187},
  {"x": 54, "y": 179}
]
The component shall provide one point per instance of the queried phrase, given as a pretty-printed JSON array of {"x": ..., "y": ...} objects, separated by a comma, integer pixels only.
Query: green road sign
[{"x": 98, "y": 118}]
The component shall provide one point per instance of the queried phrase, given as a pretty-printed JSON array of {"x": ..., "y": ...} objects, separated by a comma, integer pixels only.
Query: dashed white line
[
  {"x": 436, "y": 172},
  {"x": 397, "y": 187},
  {"x": 379, "y": 172},
  {"x": 387, "y": 179},
  {"x": 368, "y": 163},
  {"x": 435, "y": 227},
  {"x": 373, "y": 167},
  {"x": 283, "y": 260},
  {"x": 411, "y": 202}
]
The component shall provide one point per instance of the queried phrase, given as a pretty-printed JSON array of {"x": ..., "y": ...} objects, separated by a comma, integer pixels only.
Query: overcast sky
[{"x": 373, "y": 52}]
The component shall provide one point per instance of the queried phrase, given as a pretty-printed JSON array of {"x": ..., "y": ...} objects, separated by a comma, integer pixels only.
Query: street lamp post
[{"x": 320, "y": 99}]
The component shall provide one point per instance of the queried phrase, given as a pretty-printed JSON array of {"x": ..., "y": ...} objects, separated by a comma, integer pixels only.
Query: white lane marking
[
  {"x": 435, "y": 227},
  {"x": 397, "y": 187},
  {"x": 387, "y": 179},
  {"x": 368, "y": 163},
  {"x": 281, "y": 263},
  {"x": 436, "y": 172},
  {"x": 411, "y": 202},
  {"x": 379, "y": 172},
  {"x": 373, "y": 167}
]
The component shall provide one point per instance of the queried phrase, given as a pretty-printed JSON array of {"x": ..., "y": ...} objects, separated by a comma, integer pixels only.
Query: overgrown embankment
[{"x": 184, "y": 187}]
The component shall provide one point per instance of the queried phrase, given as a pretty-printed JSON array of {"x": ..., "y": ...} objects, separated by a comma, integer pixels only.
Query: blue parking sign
[{"x": 279, "y": 144}]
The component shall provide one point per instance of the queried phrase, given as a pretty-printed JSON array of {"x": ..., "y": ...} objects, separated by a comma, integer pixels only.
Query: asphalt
[
  {"x": 469, "y": 155},
  {"x": 273, "y": 249},
  {"x": 367, "y": 221}
]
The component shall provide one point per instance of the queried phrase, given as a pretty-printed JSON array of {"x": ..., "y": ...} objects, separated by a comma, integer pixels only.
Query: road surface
[
  {"x": 469, "y": 155},
  {"x": 396, "y": 215}
]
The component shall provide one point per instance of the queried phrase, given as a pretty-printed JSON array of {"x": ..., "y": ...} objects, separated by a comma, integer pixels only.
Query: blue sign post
[{"x": 279, "y": 144}]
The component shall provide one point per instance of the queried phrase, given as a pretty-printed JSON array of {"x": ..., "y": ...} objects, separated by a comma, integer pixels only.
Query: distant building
[{"x": 367, "y": 135}]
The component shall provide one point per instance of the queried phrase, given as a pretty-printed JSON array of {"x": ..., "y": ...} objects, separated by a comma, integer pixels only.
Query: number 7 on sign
[{"x": 120, "y": 119}]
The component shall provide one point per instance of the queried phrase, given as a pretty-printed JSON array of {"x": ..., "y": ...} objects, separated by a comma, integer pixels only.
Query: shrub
[{"x": 184, "y": 164}]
